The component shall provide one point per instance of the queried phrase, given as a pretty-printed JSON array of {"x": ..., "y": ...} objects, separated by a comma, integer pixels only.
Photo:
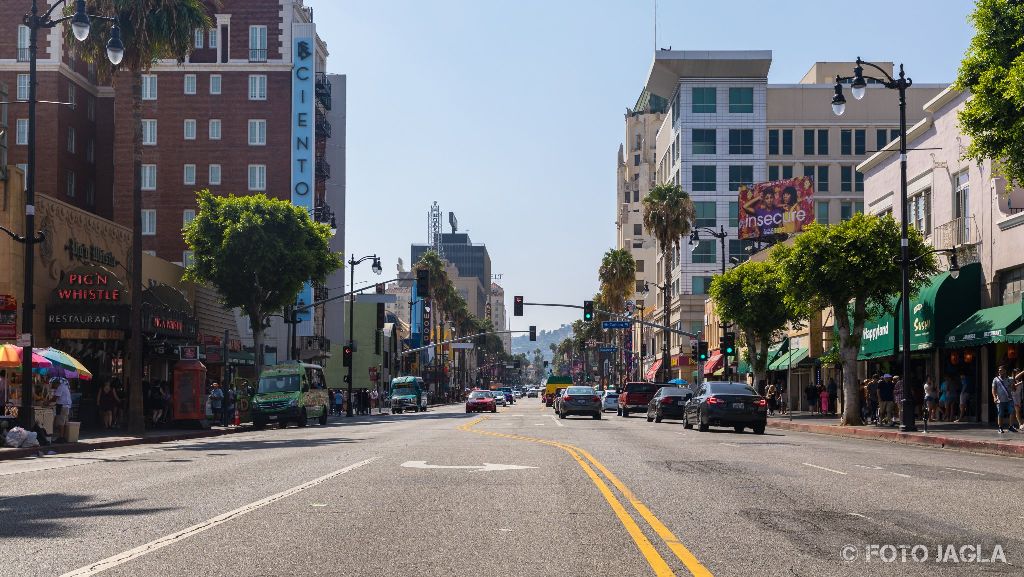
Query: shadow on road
[
  {"x": 56, "y": 514},
  {"x": 259, "y": 444}
]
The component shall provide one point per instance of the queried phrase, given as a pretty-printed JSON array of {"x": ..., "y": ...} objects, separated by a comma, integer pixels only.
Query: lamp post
[
  {"x": 34, "y": 21},
  {"x": 721, "y": 235},
  {"x": 352, "y": 262},
  {"x": 858, "y": 87},
  {"x": 664, "y": 344}
]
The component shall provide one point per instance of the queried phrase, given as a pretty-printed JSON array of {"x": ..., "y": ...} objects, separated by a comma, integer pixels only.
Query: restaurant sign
[
  {"x": 89, "y": 253},
  {"x": 87, "y": 297},
  {"x": 8, "y": 317}
]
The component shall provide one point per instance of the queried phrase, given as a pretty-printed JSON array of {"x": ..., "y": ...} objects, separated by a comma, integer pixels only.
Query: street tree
[
  {"x": 668, "y": 215},
  {"x": 151, "y": 30},
  {"x": 993, "y": 71},
  {"x": 617, "y": 276},
  {"x": 753, "y": 296},
  {"x": 852, "y": 267},
  {"x": 258, "y": 252}
]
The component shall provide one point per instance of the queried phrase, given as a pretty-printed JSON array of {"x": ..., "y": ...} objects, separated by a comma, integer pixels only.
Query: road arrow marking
[{"x": 479, "y": 468}]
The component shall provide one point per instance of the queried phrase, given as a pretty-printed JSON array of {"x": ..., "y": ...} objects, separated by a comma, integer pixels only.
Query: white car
[
  {"x": 499, "y": 398},
  {"x": 517, "y": 394},
  {"x": 610, "y": 401}
]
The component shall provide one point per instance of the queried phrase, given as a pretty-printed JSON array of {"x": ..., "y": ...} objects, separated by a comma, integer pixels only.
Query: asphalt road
[{"x": 514, "y": 493}]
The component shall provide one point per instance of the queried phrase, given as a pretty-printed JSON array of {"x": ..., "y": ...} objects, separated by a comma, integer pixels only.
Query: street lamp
[
  {"x": 721, "y": 235},
  {"x": 323, "y": 214},
  {"x": 80, "y": 24},
  {"x": 352, "y": 262},
  {"x": 858, "y": 87}
]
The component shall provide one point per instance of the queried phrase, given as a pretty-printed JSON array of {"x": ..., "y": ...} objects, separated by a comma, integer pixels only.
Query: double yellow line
[{"x": 588, "y": 463}]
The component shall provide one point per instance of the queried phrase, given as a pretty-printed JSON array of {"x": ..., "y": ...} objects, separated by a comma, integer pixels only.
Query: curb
[
  {"x": 916, "y": 439},
  {"x": 68, "y": 448}
]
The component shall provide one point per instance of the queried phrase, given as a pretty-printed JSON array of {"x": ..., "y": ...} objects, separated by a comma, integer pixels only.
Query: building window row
[
  {"x": 149, "y": 180},
  {"x": 704, "y": 100},
  {"x": 257, "y": 86}
]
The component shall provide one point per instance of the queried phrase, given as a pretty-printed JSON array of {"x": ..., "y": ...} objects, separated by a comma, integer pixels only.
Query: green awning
[
  {"x": 991, "y": 325},
  {"x": 792, "y": 358}
]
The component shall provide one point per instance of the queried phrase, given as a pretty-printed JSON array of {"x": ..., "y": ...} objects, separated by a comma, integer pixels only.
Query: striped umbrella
[
  {"x": 68, "y": 364},
  {"x": 10, "y": 358}
]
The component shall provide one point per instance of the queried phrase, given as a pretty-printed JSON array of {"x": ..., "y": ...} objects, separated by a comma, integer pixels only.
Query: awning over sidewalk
[
  {"x": 714, "y": 363},
  {"x": 788, "y": 359},
  {"x": 653, "y": 371},
  {"x": 991, "y": 325}
]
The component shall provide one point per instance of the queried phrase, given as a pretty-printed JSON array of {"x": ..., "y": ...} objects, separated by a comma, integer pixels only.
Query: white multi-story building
[{"x": 496, "y": 309}]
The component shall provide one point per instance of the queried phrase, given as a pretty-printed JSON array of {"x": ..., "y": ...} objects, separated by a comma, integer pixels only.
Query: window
[
  {"x": 704, "y": 252},
  {"x": 215, "y": 80},
  {"x": 23, "y": 41},
  {"x": 822, "y": 212},
  {"x": 700, "y": 285},
  {"x": 787, "y": 171},
  {"x": 200, "y": 36},
  {"x": 704, "y": 211},
  {"x": 741, "y": 100},
  {"x": 773, "y": 142},
  {"x": 190, "y": 84},
  {"x": 23, "y": 84},
  {"x": 149, "y": 86},
  {"x": 625, "y": 197},
  {"x": 822, "y": 184},
  {"x": 71, "y": 139},
  {"x": 90, "y": 193},
  {"x": 808, "y": 142},
  {"x": 704, "y": 141},
  {"x": 845, "y": 179},
  {"x": 72, "y": 95},
  {"x": 823, "y": 141},
  {"x": 734, "y": 214},
  {"x": 214, "y": 174},
  {"x": 859, "y": 138},
  {"x": 1011, "y": 283},
  {"x": 148, "y": 222},
  {"x": 738, "y": 249},
  {"x": 257, "y": 177},
  {"x": 704, "y": 178},
  {"x": 704, "y": 100},
  {"x": 149, "y": 131},
  {"x": 24, "y": 180},
  {"x": 636, "y": 196},
  {"x": 257, "y": 87},
  {"x": 187, "y": 258},
  {"x": 70, "y": 190},
  {"x": 787, "y": 142},
  {"x": 638, "y": 230},
  {"x": 190, "y": 129},
  {"x": 846, "y": 142},
  {"x": 846, "y": 209},
  {"x": 741, "y": 141},
  {"x": 213, "y": 38},
  {"x": 636, "y": 160},
  {"x": 773, "y": 172},
  {"x": 190, "y": 174},
  {"x": 90, "y": 151},
  {"x": 21, "y": 131},
  {"x": 187, "y": 216},
  {"x": 258, "y": 137},
  {"x": 809, "y": 171},
  {"x": 858, "y": 181},
  {"x": 148, "y": 177},
  {"x": 740, "y": 175},
  {"x": 920, "y": 211},
  {"x": 257, "y": 44},
  {"x": 639, "y": 266},
  {"x": 215, "y": 129},
  {"x": 881, "y": 138}
]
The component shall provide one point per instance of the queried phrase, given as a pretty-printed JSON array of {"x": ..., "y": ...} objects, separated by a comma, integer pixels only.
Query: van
[
  {"x": 408, "y": 394},
  {"x": 290, "y": 392}
]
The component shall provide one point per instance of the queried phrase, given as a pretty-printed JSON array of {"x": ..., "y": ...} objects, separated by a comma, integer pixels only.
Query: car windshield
[
  {"x": 642, "y": 388},
  {"x": 580, "y": 391},
  {"x": 280, "y": 383},
  {"x": 397, "y": 391},
  {"x": 731, "y": 389},
  {"x": 479, "y": 395}
]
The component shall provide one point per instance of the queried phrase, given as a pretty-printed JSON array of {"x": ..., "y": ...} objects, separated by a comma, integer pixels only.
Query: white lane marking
[
  {"x": 730, "y": 444},
  {"x": 122, "y": 558},
  {"x": 861, "y": 516},
  {"x": 869, "y": 467},
  {"x": 539, "y": 425},
  {"x": 824, "y": 468},
  {"x": 556, "y": 420},
  {"x": 964, "y": 471},
  {"x": 484, "y": 467},
  {"x": 901, "y": 475}
]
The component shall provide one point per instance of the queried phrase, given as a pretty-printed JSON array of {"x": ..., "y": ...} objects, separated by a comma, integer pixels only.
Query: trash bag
[{"x": 19, "y": 437}]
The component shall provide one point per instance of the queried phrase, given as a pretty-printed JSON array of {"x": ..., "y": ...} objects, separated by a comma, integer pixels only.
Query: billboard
[{"x": 776, "y": 207}]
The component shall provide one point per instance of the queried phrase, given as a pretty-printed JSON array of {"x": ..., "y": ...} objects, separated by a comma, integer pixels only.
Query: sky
[{"x": 509, "y": 113}]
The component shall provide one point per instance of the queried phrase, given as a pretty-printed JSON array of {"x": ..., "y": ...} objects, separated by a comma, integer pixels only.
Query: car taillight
[
  {"x": 597, "y": 399},
  {"x": 666, "y": 401},
  {"x": 761, "y": 403},
  {"x": 715, "y": 401},
  {"x": 565, "y": 398}
]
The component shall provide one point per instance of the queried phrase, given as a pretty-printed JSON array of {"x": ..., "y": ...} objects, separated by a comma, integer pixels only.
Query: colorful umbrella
[
  {"x": 67, "y": 364},
  {"x": 10, "y": 358}
]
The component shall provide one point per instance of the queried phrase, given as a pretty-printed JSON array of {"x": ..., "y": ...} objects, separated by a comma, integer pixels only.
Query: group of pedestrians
[
  {"x": 821, "y": 398},
  {"x": 223, "y": 403}
]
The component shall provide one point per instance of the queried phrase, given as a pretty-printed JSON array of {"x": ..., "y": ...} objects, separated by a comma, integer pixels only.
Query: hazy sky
[{"x": 510, "y": 112}]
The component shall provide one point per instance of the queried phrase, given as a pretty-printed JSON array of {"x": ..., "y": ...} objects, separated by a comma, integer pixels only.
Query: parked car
[
  {"x": 480, "y": 401},
  {"x": 634, "y": 397},
  {"x": 579, "y": 401},
  {"x": 668, "y": 403},
  {"x": 725, "y": 404},
  {"x": 555, "y": 397},
  {"x": 609, "y": 401}
]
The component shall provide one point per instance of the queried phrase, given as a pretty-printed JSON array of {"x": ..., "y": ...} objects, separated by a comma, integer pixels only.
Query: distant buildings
[{"x": 474, "y": 266}]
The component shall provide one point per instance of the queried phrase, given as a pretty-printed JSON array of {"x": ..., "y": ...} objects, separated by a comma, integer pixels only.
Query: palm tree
[
  {"x": 151, "y": 30},
  {"x": 617, "y": 275},
  {"x": 668, "y": 214}
]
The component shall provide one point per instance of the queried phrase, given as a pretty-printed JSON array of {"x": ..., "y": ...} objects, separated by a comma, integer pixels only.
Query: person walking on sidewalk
[
  {"x": 216, "y": 401},
  {"x": 886, "y": 400},
  {"x": 965, "y": 398},
  {"x": 1015, "y": 394},
  {"x": 930, "y": 402},
  {"x": 62, "y": 396},
  {"x": 1003, "y": 397},
  {"x": 833, "y": 395}
]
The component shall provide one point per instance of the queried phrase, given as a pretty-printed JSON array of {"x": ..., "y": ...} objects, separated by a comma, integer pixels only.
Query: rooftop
[{"x": 671, "y": 65}]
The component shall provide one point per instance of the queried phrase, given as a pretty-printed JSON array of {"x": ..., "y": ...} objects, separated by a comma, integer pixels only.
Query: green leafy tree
[
  {"x": 993, "y": 71},
  {"x": 753, "y": 296},
  {"x": 850, "y": 267},
  {"x": 151, "y": 30},
  {"x": 668, "y": 214},
  {"x": 258, "y": 252}
]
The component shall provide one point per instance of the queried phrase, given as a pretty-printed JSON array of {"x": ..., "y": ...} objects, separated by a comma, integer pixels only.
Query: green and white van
[{"x": 290, "y": 392}]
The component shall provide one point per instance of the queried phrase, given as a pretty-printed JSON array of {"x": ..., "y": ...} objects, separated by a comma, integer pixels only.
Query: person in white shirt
[{"x": 62, "y": 397}]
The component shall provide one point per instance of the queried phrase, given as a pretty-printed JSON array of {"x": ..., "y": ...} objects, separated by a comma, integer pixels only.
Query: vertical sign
[
  {"x": 8, "y": 317},
  {"x": 303, "y": 146}
]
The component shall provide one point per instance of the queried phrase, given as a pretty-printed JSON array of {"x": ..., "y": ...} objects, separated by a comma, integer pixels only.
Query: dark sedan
[
  {"x": 579, "y": 401},
  {"x": 725, "y": 404},
  {"x": 668, "y": 403}
]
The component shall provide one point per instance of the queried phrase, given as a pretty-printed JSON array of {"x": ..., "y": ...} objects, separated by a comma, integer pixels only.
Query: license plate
[
  {"x": 737, "y": 405},
  {"x": 681, "y": 402},
  {"x": 273, "y": 417},
  {"x": 580, "y": 401}
]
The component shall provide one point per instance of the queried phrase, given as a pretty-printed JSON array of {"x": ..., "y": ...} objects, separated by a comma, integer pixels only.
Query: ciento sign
[{"x": 303, "y": 115}]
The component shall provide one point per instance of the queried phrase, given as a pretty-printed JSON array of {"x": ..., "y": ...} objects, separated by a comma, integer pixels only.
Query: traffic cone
[{"x": 238, "y": 418}]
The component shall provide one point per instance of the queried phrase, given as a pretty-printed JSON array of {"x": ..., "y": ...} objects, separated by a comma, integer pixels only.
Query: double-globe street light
[
  {"x": 377, "y": 269},
  {"x": 721, "y": 235},
  {"x": 80, "y": 27}
]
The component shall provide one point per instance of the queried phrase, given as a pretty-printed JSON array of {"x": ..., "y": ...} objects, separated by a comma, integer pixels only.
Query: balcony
[
  {"x": 956, "y": 233},
  {"x": 257, "y": 55},
  {"x": 323, "y": 90},
  {"x": 323, "y": 168},
  {"x": 24, "y": 55}
]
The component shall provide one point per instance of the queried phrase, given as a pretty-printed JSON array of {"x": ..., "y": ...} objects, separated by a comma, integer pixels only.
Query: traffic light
[
  {"x": 729, "y": 344},
  {"x": 588, "y": 310},
  {"x": 702, "y": 350},
  {"x": 517, "y": 306},
  {"x": 346, "y": 356},
  {"x": 694, "y": 348},
  {"x": 422, "y": 283},
  {"x": 533, "y": 333}
]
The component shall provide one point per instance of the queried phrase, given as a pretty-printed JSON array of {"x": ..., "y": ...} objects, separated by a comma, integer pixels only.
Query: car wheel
[
  {"x": 686, "y": 421},
  {"x": 738, "y": 428},
  {"x": 597, "y": 416},
  {"x": 561, "y": 415},
  {"x": 282, "y": 424},
  {"x": 701, "y": 425},
  {"x": 259, "y": 424},
  {"x": 323, "y": 417},
  {"x": 758, "y": 429},
  {"x": 468, "y": 411}
]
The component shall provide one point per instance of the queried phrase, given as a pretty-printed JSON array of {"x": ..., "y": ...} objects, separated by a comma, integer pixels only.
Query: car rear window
[
  {"x": 580, "y": 391},
  {"x": 479, "y": 395},
  {"x": 611, "y": 394},
  {"x": 731, "y": 389},
  {"x": 674, "y": 392},
  {"x": 642, "y": 387}
]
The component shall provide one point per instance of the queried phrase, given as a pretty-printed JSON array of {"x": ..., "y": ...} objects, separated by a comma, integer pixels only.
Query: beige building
[{"x": 498, "y": 314}]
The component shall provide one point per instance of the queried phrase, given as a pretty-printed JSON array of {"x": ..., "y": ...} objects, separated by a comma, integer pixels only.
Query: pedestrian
[
  {"x": 1002, "y": 395},
  {"x": 773, "y": 401},
  {"x": 1016, "y": 395},
  {"x": 120, "y": 410},
  {"x": 230, "y": 397},
  {"x": 823, "y": 397},
  {"x": 374, "y": 398},
  {"x": 944, "y": 401},
  {"x": 811, "y": 394},
  {"x": 886, "y": 400},
  {"x": 156, "y": 403},
  {"x": 873, "y": 398},
  {"x": 931, "y": 403},
  {"x": 62, "y": 397},
  {"x": 965, "y": 397},
  {"x": 833, "y": 395},
  {"x": 216, "y": 401},
  {"x": 107, "y": 400}
]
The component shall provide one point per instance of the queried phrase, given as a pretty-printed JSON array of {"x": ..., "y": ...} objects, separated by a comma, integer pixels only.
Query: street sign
[
  {"x": 608, "y": 349},
  {"x": 615, "y": 324},
  {"x": 24, "y": 340}
]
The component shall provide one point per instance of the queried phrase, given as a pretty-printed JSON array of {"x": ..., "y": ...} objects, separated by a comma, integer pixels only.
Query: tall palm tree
[
  {"x": 668, "y": 214},
  {"x": 151, "y": 30},
  {"x": 617, "y": 275}
]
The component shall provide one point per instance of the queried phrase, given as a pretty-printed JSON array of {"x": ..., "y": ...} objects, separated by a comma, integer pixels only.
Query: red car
[
  {"x": 481, "y": 401},
  {"x": 634, "y": 397}
]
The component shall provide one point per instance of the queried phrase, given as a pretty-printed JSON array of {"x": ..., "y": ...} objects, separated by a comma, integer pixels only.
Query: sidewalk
[
  {"x": 92, "y": 440},
  {"x": 975, "y": 437}
]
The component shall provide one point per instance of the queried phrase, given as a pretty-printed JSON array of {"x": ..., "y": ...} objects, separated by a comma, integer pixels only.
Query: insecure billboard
[{"x": 776, "y": 207}]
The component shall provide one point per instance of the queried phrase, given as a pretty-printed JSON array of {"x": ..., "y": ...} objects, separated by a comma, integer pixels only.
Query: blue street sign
[
  {"x": 608, "y": 349},
  {"x": 615, "y": 324}
]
